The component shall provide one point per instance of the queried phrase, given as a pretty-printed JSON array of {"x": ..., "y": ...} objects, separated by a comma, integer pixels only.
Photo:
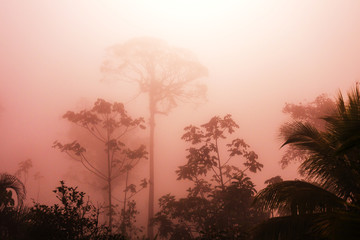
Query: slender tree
[
  {"x": 108, "y": 123},
  {"x": 37, "y": 177},
  {"x": 167, "y": 74}
]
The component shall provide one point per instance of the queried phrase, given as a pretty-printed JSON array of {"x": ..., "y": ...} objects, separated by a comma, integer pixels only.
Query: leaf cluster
[
  {"x": 204, "y": 156},
  {"x": 108, "y": 123}
]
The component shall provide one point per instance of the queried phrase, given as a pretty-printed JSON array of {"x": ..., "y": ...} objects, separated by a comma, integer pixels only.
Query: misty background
[{"x": 260, "y": 55}]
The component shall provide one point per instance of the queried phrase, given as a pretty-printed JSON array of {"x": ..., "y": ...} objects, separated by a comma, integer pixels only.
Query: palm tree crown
[
  {"x": 10, "y": 182},
  {"x": 329, "y": 201}
]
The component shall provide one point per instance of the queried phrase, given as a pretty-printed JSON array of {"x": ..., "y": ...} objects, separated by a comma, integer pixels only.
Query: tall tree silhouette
[
  {"x": 328, "y": 206},
  {"x": 107, "y": 123},
  {"x": 167, "y": 74}
]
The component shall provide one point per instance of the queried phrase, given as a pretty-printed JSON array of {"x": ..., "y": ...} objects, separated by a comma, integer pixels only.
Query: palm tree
[
  {"x": 7, "y": 183},
  {"x": 327, "y": 205}
]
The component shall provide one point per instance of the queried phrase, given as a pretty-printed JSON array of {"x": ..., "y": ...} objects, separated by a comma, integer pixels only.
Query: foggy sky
[{"x": 260, "y": 55}]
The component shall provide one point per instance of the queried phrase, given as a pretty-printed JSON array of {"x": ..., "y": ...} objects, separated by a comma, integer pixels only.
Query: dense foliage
[
  {"x": 219, "y": 203},
  {"x": 327, "y": 205},
  {"x": 75, "y": 217}
]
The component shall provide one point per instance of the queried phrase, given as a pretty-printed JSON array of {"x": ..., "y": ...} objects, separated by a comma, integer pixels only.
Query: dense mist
[{"x": 259, "y": 55}]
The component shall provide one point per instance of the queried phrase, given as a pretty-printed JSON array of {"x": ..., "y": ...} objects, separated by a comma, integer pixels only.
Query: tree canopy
[{"x": 168, "y": 74}]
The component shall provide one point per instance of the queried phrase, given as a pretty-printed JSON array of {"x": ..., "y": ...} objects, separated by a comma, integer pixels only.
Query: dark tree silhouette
[
  {"x": 326, "y": 207},
  {"x": 7, "y": 184},
  {"x": 74, "y": 218},
  {"x": 108, "y": 123},
  {"x": 10, "y": 213},
  {"x": 167, "y": 74},
  {"x": 219, "y": 205},
  {"x": 273, "y": 180}
]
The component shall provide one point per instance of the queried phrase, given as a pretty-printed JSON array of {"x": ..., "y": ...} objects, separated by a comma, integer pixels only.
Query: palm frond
[
  {"x": 304, "y": 136},
  {"x": 286, "y": 228},
  {"x": 330, "y": 208},
  {"x": 346, "y": 123},
  {"x": 332, "y": 155},
  {"x": 338, "y": 225},
  {"x": 334, "y": 173},
  {"x": 8, "y": 181},
  {"x": 297, "y": 198}
]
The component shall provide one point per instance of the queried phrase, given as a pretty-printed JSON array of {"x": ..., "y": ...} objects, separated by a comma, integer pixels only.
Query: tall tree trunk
[
  {"x": 38, "y": 192},
  {"x": 110, "y": 206},
  {"x": 109, "y": 184},
  {"x": 220, "y": 167},
  {"x": 151, "y": 158},
  {"x": 124, "y": 217}
]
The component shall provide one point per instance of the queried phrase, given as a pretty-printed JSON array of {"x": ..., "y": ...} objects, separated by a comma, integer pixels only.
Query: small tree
[
  {"x": 108, "y": 123},
  {"x": 74, "y": 218},
  {"x": 167, "y": 74},
  {"x": 218, "y": 206}
]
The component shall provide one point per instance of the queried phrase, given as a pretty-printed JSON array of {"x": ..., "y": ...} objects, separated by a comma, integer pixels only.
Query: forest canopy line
[{"x": 219, "y": 167}]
